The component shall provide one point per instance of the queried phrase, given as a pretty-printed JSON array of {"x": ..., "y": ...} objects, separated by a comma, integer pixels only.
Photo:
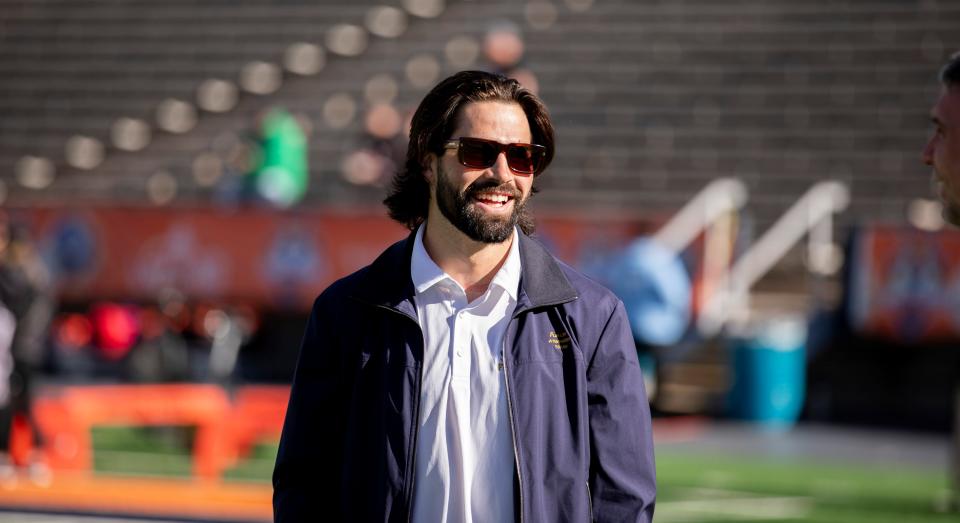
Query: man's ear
[{"x": 430, "y": 168}]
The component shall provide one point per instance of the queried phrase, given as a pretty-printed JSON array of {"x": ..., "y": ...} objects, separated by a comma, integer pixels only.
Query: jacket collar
[
  {"x": 542, "y": 282},
  {"x": 388, "y": 282}
]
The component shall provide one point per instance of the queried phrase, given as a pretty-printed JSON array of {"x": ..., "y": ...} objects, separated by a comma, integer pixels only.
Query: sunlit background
[{"x": 745, "y": 174}]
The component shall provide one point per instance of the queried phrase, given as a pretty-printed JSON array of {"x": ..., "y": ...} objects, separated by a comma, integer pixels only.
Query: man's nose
[
  {"x": 928, "y": 150},
  {"x": 501, "y": 170}
]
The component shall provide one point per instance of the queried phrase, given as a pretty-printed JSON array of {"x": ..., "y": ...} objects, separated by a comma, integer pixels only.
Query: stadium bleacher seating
[{"x": 651, "y": 99}]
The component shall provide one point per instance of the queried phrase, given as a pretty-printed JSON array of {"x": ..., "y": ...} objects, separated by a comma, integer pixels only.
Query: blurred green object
[{"x": 282, "y": 177}]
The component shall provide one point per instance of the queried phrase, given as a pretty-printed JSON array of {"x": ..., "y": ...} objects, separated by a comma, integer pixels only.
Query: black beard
[
  {"x": 951, "y": 214},
  {"x": 456, "y": 207}
]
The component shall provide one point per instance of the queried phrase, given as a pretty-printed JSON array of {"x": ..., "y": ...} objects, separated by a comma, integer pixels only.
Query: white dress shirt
[{"x": 464, "y": 456}]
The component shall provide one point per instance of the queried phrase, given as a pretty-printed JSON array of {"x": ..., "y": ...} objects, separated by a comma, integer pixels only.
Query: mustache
[{"x": 485, "y": 185}]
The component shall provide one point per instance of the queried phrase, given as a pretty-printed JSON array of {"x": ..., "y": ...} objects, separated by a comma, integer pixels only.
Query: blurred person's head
[
  {"x": 4, "y": 232},
  {"x": 15, "y": 241},
  {"x": 476, "y": 185},
  {"x": 942, "y": 151},
  {"x": 19, "y": 251},
  {"x": 20, "y": 239}
]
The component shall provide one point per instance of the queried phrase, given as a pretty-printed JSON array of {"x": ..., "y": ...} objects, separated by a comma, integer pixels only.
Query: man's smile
[{"x": 494, "y": 200}]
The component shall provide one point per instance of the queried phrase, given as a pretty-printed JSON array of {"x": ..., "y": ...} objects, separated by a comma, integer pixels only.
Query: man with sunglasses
[{"x": 466, "y": 375}]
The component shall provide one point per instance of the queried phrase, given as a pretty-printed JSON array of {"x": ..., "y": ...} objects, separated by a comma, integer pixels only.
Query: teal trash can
[{"x": 769, "y": 371}]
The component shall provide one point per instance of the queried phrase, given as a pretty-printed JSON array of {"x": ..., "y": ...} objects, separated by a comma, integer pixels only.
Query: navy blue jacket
[{"x": 578, "y": 410}]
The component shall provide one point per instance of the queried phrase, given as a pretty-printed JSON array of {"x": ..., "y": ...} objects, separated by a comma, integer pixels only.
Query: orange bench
[
  {"x": 258, "y": 412},
  {"x": 67, "y": 419},
  {"x": 226, "y": 430}
]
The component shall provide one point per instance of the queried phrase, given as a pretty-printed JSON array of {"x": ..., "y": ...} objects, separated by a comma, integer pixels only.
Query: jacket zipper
[
  {"x": 411, "y": 466},
  {"x": 510, "y": 413},
  {"x": 589, "y": 500},
  {"x": 510, "y": 409},
  {"x": 416, "y": 438}
]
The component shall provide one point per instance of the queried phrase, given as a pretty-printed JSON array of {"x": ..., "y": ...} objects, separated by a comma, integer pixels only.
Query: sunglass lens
[
  {"x": 477, "y": 154},
  {"x": 522, "y": 158}
]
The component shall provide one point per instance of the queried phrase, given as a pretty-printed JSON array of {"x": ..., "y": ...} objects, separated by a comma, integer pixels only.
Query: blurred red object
[
  {"x": 152, "y": 323},
  {"x": 116, "y": 327},
  {"x": 73, "y": 331}
]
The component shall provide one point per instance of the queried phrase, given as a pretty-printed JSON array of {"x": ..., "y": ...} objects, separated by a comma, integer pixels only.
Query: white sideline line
[{"x": 750, "y": 508}]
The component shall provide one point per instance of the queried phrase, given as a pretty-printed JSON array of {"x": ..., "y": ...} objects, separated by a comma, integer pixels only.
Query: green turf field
[
  {"x": 692, "y": 488},
  {"x": 165, "y": 451},
  {"x": 725, "y": 489}
]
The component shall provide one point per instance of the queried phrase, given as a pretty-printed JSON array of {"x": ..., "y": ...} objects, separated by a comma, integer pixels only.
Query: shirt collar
[
  {"x": 425, "y": 273},
  {"x": 508, "y": 277},
  {"x": 423, "y": 270}
]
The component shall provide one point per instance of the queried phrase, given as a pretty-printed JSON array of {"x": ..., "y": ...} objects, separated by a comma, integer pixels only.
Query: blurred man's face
[{"x": 942, "y": 152}]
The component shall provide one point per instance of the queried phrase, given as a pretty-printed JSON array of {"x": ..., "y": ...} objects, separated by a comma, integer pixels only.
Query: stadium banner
[
  {"x": 904, "y": 284},
  {"x": 264, "y": 257}
]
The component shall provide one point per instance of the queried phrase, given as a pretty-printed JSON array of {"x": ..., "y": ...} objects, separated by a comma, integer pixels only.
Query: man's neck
[{"x": 470, "y": 263}]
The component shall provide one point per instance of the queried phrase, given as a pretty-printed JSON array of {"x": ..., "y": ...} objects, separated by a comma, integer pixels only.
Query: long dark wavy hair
[
  {"x": 950, "y": 73},
  {"x": 433, "y": 124}
]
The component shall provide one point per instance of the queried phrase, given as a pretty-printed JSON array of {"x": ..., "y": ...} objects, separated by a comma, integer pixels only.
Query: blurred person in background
[
  {"x": 942, "y": 152},
  {"x": 25, "y": 293},
  {"x": 163, "y": 356},
  {"x": 466, "y": 374}
]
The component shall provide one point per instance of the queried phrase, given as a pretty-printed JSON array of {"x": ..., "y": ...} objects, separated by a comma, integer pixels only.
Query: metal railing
[
  {"x": 712, "y": 203},
  {"x": 810, "y": 216},
  {"x": 711, "y": 211}
]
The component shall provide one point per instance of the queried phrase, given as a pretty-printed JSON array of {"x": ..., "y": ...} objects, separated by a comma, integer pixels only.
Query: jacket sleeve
[
  {"x": 307, "y": 471},
  {"x": 622, "y": 471}
]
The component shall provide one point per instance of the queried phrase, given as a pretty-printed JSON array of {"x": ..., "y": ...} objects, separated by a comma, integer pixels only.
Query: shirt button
[{"x": 459, "y": 353}]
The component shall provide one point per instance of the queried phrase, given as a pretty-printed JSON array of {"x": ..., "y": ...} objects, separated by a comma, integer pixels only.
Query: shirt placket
[
  {"x": 460, "y": 361},
  {"x": 460, "y": 352}
]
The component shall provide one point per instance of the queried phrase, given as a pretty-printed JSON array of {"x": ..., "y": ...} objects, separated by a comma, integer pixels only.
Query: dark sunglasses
[{"x": 477, "y": 153}]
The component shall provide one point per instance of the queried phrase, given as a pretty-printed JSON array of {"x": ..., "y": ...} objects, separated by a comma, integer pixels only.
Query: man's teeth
[{"x": 495, "y": 198}]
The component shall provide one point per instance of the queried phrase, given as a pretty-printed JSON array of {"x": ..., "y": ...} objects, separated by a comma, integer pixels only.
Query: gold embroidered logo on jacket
[{"x": 559, "y": 341}]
